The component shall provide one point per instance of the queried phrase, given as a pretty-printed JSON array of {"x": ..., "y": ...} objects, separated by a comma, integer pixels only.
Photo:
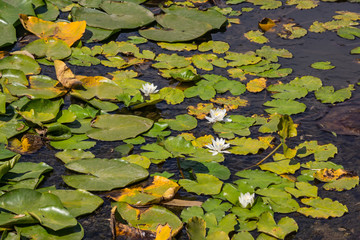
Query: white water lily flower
[
  {"x": 217, "y": 115},
  {"x": 218, "y": 146},
  {"x": 247, "y": 200},
  {"x": 148, "y": 89}
]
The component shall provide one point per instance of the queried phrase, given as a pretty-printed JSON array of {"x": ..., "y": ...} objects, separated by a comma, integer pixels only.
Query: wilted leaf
[
  {"x": 149, "y": 218},
  {"x": 266, "y": 24},
  {"x": 201, "y": 110},
  {"x": 230, "y": 103},
  {"x": 103, "y": 174},
  {"x": 292, "y": 31},
  {"x": 322, "y": 208},
  {"x": 204, "y": 184},
  {"x": 29, "y": 143},
  {"x": 68, "y": 32},
  {"x": 256, "y": 85},
  {"x": 160, "y": 189},
  {"x": 65, "y": 76},
  {"x": 163, "y": 232}
]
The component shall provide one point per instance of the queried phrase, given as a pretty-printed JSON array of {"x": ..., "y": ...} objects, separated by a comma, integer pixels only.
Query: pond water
[{"x": 312, "y": 48}]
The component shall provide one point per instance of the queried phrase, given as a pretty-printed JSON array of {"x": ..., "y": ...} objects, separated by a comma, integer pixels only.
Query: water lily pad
[
  {"x": 117, "y": 15},
  {"x": 178, "y": 46},
  {"x": 176, "y": 29},
  {"x": 20, "y": 62},
  {"x": 204, "y": 184},
  {"x": 244, "y": 146},
  {"x": 215, "y": 46},
  {"x": 69, "y": 155},
  {"x": 8, "y": 32},
  {"x": 309, "y": 82},
  {"x": 268, "y": 225},
  {"x": 281, "y": 167},
  {"x": 322, "y": 208},
  {"x": 272, "y": 54},
  {"x": 182, "y": 122},
  {"x": 349, "y": 32},
  {"x": 40, "y": 111},
  {"x": 284, "y": 106},
  {"x": 78, "y": 202},
  {"x": 39, "y": 232},
  {"x": 149, "y": 218},
  {"x": 118, "y": 127},
  {"x": 256, "y": 36},
  {"x": 258, "y": 178},
  {"x": 322, "y": 65},
  {"x": 51, "y": 48},
  {"x": 103, "y": 174},
  {"x": 10, "y": 10},
  {"x": 303, "y": 4},
  {"x": 287, "y": 91},
  {"x": 292, "y": 31},
  {"x": 266, "y": 4},
  {"x": 321, "y": 152},
  {"x": 327, "y": 94},
  {"x": 75, "y": 142},
  {"x": 45, "y": 207}
]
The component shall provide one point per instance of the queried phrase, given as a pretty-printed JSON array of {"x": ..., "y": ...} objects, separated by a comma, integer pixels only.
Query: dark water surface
[{"x": 307, "y": 50}]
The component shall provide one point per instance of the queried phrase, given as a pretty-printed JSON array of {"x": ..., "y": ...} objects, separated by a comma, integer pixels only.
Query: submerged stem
[
  {"x": 181, "y": 172},
  {"x": 267, "y": 156}
]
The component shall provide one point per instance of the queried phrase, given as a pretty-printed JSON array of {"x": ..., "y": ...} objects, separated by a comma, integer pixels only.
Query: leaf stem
[
  {"x": 179, "y": 166},
  {"x": 267, "y": 156}
]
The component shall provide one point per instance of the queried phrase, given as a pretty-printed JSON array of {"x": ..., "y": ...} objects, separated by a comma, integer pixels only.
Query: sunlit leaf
[
  {"x": 156, "y": 152},
  {"x": 160, "y": 189},
  {"x": 39, "y": 232},
  {"x": 355, "y": 50},
  {"x": 322, "y": 208},
  {"x": 244, "y": 146},
  {"x": 170, "y": 61},
  {"x": 68, "y": 32},
  {"x": 215, "y": 46},
  {"x": 272, "y": 54},
  {"x": 103, "y": 174},
  {"x": 266, "y": 4},
  {"x": 230, "y": 103},
  {"x": 301, "y": 4},
  {"x": 44, "y": 207},
  {"x": 322, "y": 65},
  {"x": 75, "y": 142},
  {"x": 70, "y": 155},
  {"x": 201, "y": 110},
  {"x": 204, "y": 184},
  {"x": 118, "y": 127},
  {"x": 117, "y": 15},
  {"x": 240, "y": 59},
  {"x": 287, "y": 91},
  {"x": 281, "y": 106},
  {"x": 303, "y": 189},
  {"x": 256, "y": 36},
  {"x": 258, "y": 178},
  {"x": 280, "y": 167},
  {"x": 321, "y": 152},
  {"x": 348, "y": 32},
  {"x": 20, "y": 62},
  {"x": 268, "y": 225},
  {"x": 266, "y": 24},
  {"x": 256, "y": 85},
  {"x": 149, "y": 218},
  {"x": 172, "y": 95},
  {"x": 182, "y": 122},
  {"x": 178, "y": 46},
  {"x": 309, "y": 82},
  {"x": 327, "y": 94},
  {"x": 279, "y": 200},
  {"x": 275, "y": 73}
]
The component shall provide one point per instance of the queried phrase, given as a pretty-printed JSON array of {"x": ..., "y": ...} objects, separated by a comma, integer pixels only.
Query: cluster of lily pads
[{"x": 34, "y": 113}]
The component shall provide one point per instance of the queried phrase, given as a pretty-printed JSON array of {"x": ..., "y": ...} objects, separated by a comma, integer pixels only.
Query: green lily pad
[
  {"x": 182, "y": 122},
  {"x": 196, "y": 228},
  {"x": 20, "y": 62},
  {"x": 157, "y": 152},
  {"x": 266, "y": 4},
  {"x": 275, "y": 73},
  {"x": 39, "y": 232},
  {"x": 78, "y": 202},
  {"x": 279, "y": 230},
  {"x": 348, "y": 32},
  {"x": 149, "y": 218},
  {"x": 281, "y": 106},
  {"x": 26, "y": 170},
  {"x": 118, "y": 127},
  {"x": 172, "y": 95},
  {"x": 256, "y": 36},
  {"x": 287, "y": 91},
  {"x": 170, "y": 61},
  {"x": 279, "y": 200},
  {"x": 280, "y": 167},
  {"x": 240, "y": 59},
  {"x": 322, "y": 65},
  {"x": 70, "y": 155},
  {"x": 176, "y": 29},
  {"x": 117, "y": 15},
  {"x": 258, "y": 178},
  {"x": 272, "y": 54},
  {"x": 6, "y": 166},
  {"x": 355, "y": 50},
  {"x": 45, "y": 207},
  {"x": 309, "y": 82},
  {"x": 8, "y": 32},
  {"x": 204, "y": 184},
  {"x": 11, "y": 128},
  {"x": 244, "y": 146},
  {"x": 103, "y": 174},
  {"x": 10, "y": 10},
  {"x": 303, "y": 4},
  {"x": 327, "y": 94},
  {"x": 321, "y": 152},
  {"x": 322, "y": 208},
  {"x": 344, "y": 183},
  {"x": 303, "y": 189},
  {"x": 51, "y": 48},
  {"x": 75, "y": 142},
  {"x": 254, "y": 212},
  {"x": 178, "y": 146},
  {"x": 40, "y": 111},
  {"x": 215, "y": 46}
]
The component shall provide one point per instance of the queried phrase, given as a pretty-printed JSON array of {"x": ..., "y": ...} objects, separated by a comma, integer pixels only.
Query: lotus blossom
[
  {"x": 247, "y": 200},
  {"x": 217, "y": 115},
  {"x": 148, "y": 89},
  {"x": 218, "y": 146}
]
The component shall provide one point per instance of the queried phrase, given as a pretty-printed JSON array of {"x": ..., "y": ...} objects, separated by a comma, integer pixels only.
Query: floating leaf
[
  {"x": 51, "y": 48},
  {"x": 292, "y": 31},
  {"x": 178, "y": 146},
  {"x": 287, "y": 91},
  {"x": 355, "y": 50},
  {"x": 75, "y": 142},
  {"x": 280, "y": 167},
  {"x": 349, "y": 32},
  {"x": 103, "y": 174},
  {"x": 41, "y": 111},
  {"x": 44, "y": 207},
  {"x": 266, "y": 24},
  {"x": 275, "y": 73},
  {"x": 272, "y": 54},
  {"x": 301, "y": 4},
  {"x": 8, "y": 32},
  {"x": 281, "y": 106},
  {"x": 178, "y": 46},
  {"x": 204, "y": 184},
  {"x": 201, "y": 110},
  {"x": 256, "y": 85},
  {"x": 196, "y": 228},
  {"x": 170, "y": 61},
  {"x": 266, "y": 4},
  {"x": 70, "y": 155},
  {"x": 344, "y": 183},
  {"x": 68, "y": 32},
  {"x": 64, "y": 75},
  {"x": 322, "y": 65},
  {"x": 20, "y": 62},
  {"x": 240, "y": 59},
  {"x": 172, "y": 95},
  {"x": 327, "y": 94},
  {"x": 321, "y": 152},
  {"x": 117, "y": 15},
  {"x": 38, "y": 232},
  {"x": 230, "y": 103},
  {"x": 118, "y": 127},
  {"x": 157, "y": 152},
  {"x": 149, "y": 218},
  {"x": 256, "y": 36},
  {"x": 29, "y": 143},
  {"x": 215, "y": 46},
  {"x": 303, "y": 189},
  {"x": 244, "y": 146},
  {"x": 258, "y": 178},
  {"x": 160, "y": 189},
  {"x": 182, "y": 122},
  {"x": 268, "y": 225},
  {"x": 309, "y": 82},
  {"x": 322, "y": 208}
]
